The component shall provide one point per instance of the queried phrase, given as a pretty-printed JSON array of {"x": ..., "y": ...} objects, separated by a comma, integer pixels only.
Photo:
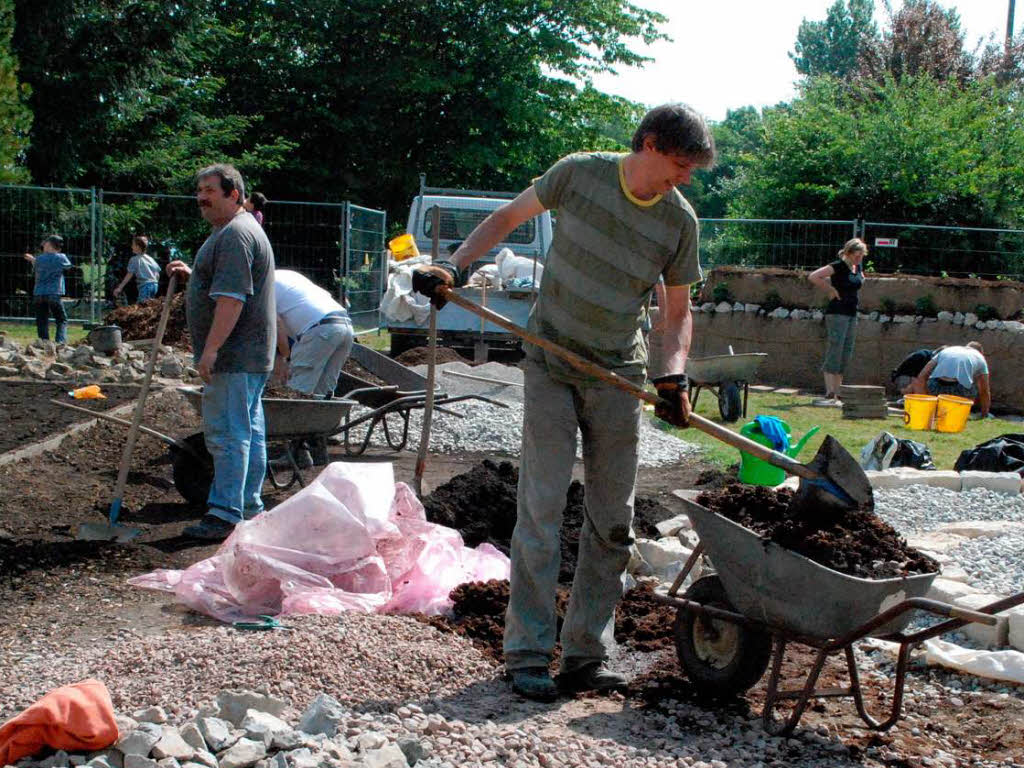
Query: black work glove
[
  {"x": 427, "y": 278},
  {"x": 674, "y": 406}
]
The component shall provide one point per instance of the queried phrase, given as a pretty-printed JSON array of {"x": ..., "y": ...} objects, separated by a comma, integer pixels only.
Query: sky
[{"x": 731, "y": 53}]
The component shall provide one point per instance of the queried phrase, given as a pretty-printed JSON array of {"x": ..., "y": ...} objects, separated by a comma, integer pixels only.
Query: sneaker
[
  {"x": 210, "y": 528},
  {"x": 592, "y": 677},
  {"x": 534, "y": 683}
]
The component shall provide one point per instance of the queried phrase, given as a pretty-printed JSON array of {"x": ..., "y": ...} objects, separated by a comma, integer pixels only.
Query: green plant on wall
[
  {"x": 888, "y": 305},
  {"x": 925, "y": 305},
  {"x": 772, "y": 301},
  {"x": 986, "y": 312},
  {"x": 721, "y": 293}
]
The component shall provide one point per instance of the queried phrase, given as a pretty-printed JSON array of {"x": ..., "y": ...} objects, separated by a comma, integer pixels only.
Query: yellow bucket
[
  {"x": 918, "y": 411},
  {"x": 404, "y": 247},
  {"x": 952, "y": 412}
]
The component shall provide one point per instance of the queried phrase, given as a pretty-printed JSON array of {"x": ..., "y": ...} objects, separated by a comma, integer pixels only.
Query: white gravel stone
[
  {"x": 172, "y": 745},
  {"x": 235, "y": 705},
  {"x": 242, "y": 754}
]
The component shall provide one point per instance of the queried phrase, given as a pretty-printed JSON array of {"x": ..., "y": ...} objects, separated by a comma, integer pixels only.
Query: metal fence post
[
  {"x": 346, "y": 245},
  {"x": 92, "y": 254}
]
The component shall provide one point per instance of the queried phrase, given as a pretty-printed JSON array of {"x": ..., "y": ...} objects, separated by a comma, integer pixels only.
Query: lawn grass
[
  {"x": 378, "y": 340},
  {"x": 854, "y": 434},
  {"x": 26, "y": 332}
]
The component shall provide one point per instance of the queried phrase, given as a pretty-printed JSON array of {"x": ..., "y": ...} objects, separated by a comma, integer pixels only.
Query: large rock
[
  {"x": 261, "y": 726},
  {"x": 244, "y": 753},
  {"x": 171, "y": 744},
  {"x": 234, "y": 705},
  {"x": 140, "y": 741},
  {"x": 947, "y": 591},
  {"x": 8, "y": 370},
  {"x": 324, "y": 716},
  {"x": 46, "y": 346},
  {"x": 414, "y": 750},
  {"x": 1000, "y": 482},
  {"x": 1015, "y": 627},
  {"x": 171, "y": 367},
  {"x": 192, "y": 736},
  {"x": 991, "y": 636},
  {"x": 139, "y": 761},
  {"x": 390, "y": 756},
  {"x": 216, "y": 732},
  {"x": 673, "y": 525}
]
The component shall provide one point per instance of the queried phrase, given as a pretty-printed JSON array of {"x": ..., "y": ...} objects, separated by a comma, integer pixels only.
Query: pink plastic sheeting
[{"x": 352, "y": 540}]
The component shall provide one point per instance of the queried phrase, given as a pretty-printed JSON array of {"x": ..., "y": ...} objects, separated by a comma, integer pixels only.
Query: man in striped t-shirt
[{"x": 622, "y": 227}]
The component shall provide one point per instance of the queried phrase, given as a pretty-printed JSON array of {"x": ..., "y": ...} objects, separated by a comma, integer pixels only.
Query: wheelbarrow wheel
[
  {"x": 192, "y": 477},
  {"x": 730, "y": 401},
  {"x": 721, "y": 659}
]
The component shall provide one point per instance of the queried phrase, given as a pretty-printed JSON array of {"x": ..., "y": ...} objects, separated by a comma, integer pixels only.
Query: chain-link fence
[
  {"x": 953, "y": 251},
  {"x": 784, "y": 243},
  {"x": 339, "y": 246}
]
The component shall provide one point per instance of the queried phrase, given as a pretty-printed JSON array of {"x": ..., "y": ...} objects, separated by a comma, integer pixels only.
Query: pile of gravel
[
  {"x": 492, "y": 429},
  {"x": 993, "y": 563}
]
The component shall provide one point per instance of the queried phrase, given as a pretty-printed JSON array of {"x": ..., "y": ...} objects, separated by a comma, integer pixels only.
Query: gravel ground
[
  {"x": 995, "y": 563},
  {"x": 488, "y": 428}
]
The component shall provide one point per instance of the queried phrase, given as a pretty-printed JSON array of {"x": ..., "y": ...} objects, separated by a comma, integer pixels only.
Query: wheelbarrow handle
[{"x": 780, "y": 460}]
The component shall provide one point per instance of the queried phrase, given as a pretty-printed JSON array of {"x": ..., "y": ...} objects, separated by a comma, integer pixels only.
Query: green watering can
[{"x": 754, "y": 471}]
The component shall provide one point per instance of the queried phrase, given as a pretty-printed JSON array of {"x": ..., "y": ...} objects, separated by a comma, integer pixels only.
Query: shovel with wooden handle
[
  {"x": 114, "y": 531},
  {"x": 832, "y": 481}
]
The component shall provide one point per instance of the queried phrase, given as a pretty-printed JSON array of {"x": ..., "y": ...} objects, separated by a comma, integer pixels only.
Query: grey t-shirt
[
  {"x": 236, "y": 260},
  {"x": 145, "y": 268}
]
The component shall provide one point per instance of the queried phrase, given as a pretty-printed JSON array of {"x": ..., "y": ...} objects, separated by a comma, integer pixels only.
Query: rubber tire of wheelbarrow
[
  {"x": 753, "y": 648},
  {"x": 192, "y": 478},
  {"x": 730, "y": 401}
]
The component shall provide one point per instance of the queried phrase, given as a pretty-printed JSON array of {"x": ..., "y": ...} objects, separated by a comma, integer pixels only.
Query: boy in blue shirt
[
  {"x": 143, "y": 268},
  {"x": 49, "y": 267}
]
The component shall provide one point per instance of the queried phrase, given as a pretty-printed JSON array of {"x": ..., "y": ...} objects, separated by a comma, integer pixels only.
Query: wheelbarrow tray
[
  {"x": 790, "y": 592},
  {"x": 287, "y": 418},
  {"x": 716, "y": 368}
]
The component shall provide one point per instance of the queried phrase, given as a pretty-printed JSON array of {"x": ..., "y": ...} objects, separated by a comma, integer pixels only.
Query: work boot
[
  {"x": 591, "y": 677},
  {"x": 210, "y": 528},
  {"x": 534, "y": 683},
  {"x": 301, "y": 454},
  {"x": 318, "y": 451}
]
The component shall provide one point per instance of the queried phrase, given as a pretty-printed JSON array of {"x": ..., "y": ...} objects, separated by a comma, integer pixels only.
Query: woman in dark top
[{"x": 842, "y": 280}]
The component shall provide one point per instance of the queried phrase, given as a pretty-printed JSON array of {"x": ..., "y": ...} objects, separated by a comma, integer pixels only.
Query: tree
[
  {"x": 833, "y": 46},
  {"x": 740, "y": 134},
  {"x": 914, "y": 149},
  {"x": 15, "y": 117},
  {"x": 923, "y": 38}
]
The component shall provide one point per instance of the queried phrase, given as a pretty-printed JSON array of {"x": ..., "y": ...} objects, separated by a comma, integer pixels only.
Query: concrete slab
[
  {"x": 981, "y": 529},
  {"x": 1000, "y": 482},
  {"x": 947, "y": 591},
  {"x": 990, "y": 636}
]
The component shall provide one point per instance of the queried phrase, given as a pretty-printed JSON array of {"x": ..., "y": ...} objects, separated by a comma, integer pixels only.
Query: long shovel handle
[
  {"x": 780, "y": 460},
  {"x": 133, "y": 432}
]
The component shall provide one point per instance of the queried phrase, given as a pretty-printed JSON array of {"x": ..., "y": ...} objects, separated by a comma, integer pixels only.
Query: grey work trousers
[{"x": 609, "y": 421}]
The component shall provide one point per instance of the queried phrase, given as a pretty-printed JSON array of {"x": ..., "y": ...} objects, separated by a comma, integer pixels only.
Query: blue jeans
[
  {"x": 46, "y": 305},
  {"x": 147, "y": 291},
  {"x": 236, "y": 439}
]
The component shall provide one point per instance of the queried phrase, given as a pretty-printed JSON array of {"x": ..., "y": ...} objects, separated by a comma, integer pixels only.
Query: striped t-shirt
[{"x": 608, "y": 252}]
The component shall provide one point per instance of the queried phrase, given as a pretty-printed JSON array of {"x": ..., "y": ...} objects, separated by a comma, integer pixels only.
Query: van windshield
[{"x": 457, "y": 223}]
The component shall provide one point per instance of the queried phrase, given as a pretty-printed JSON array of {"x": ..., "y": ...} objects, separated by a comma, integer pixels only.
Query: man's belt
[{"x": 331, "y": 318}]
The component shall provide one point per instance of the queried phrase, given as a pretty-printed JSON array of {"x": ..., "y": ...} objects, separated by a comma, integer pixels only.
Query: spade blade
[{"x": 842, "y": 484}]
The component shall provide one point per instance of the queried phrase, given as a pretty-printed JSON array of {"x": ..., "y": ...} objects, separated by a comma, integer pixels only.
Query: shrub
[
  {"x": 925, "y": 305},
  {"x": 772, "y": 301},
  {"x": 888, "y": 305},
  {"x": 721, "y": 293},
  {"x": 985, "y": 312}
]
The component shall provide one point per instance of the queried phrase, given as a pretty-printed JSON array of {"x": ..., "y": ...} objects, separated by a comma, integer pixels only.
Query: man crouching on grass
[{"x": 230, "y": 310}]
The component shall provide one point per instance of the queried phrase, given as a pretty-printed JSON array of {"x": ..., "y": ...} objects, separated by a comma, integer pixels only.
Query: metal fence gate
[
  {"x": 340, "y": 246},
  {"x": 783, "y": 243},
  {"x": 945, "y": 250}
]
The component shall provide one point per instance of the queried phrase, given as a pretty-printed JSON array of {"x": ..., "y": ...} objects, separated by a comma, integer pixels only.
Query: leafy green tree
[
  {"x": 915, "y": 150},
  {"x": 922, "y": 38},
  {"x": 741, "y": 133},
  {"x": 833, "y": 46},
  {"x": 15, "y": 117}
]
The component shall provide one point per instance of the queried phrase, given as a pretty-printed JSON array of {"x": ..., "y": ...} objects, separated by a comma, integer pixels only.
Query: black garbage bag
[
  {"x": 1000, "y": 454},
  {"x": 910, "y": 453},
  {"x": 887, "y": 451}
]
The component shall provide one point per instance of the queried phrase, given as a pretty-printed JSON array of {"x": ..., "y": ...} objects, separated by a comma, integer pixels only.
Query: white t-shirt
[
  {"x": 960, "y": 363},
  {"x": 301, "y": 303}
]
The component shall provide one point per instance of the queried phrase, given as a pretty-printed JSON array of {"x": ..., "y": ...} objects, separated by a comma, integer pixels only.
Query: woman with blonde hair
[{"x": 842, "y": 280}]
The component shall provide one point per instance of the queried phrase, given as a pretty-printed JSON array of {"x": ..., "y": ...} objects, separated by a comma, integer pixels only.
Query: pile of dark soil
[
  {"x": 27, "y": 416},
  {"x": 139, "y": 321},
  {"x": 353, "y": 368},
  {"x": 641, "y": 624},
  {"x": 855, "y": 542},
  {"x": 421, "y": 356},
  {"x": 481, "y": 505},
  {"x": 18, "y": 558}
]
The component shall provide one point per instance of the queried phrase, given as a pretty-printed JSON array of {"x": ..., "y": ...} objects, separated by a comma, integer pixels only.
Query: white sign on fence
[{"x": 887, "y": 242}]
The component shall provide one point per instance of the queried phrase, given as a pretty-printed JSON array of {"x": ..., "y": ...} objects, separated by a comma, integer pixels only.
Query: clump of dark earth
[
  {"x": 139, "y": 321},
  {"x": 421, "y": 356},
  {"x": 478, "y": 614},
  {"x": 855, "y": 542},
  {"x": 18, "y": 558},
  {"x": 481, "y": 505},
  {"x": 28, "y": 415}
]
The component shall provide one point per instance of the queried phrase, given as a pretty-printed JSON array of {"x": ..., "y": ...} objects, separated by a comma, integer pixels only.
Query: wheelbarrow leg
[
  {"x": 897, "y": 694},
  {"x": 694, "y": 395},
  {"x": 802, "y": 696},
  {"x": 746, "y": 389}
]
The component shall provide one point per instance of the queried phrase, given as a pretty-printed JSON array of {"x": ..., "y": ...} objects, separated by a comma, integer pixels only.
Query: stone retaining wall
[
  {"x": 795, "y": 343},
  {"x": 752, "y": 286}
]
